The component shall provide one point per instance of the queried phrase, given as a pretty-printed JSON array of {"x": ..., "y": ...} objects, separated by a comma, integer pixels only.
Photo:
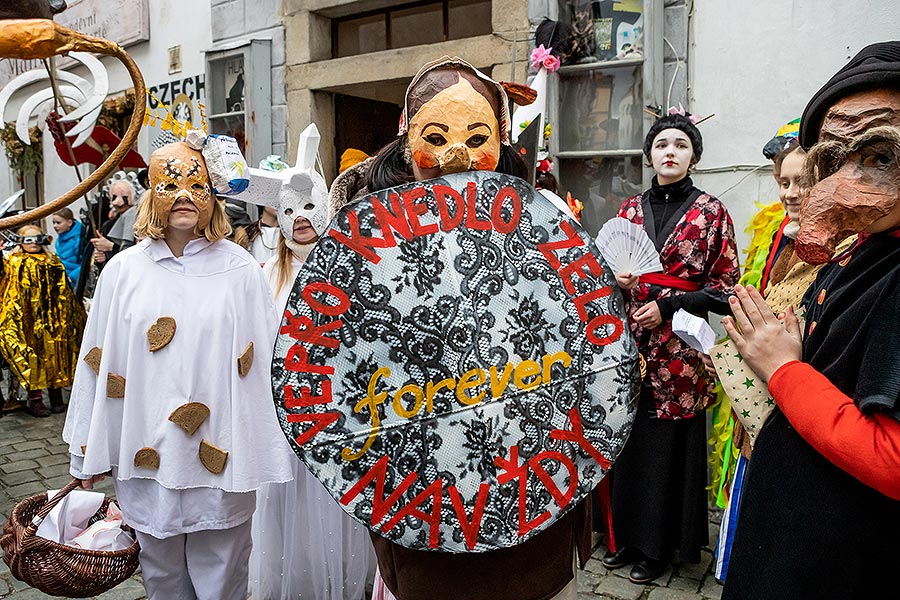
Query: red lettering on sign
[
  {"x": 380, "y": 504},
  {"x": 441, "y": 194},
  {"x": 576, "y": 436},
  {"x": 576, "y": 267},
  {"x": 496, "y": 214},
  {"x": 433, "y": 518},
  {"x": 513, "y": 470},
  {"x": 357, "y": 242},
  {"x": 582, "y": 300},
  {"x": 306, "y": 398},
  {"x": 301, "y": 328},
  {"x": 297, "y": 360},
  {"x": 414, "y": 210},
  {"x": 535, "y": 465},
  {"x": 470, "y": 528},
  {"x": 319, "y": 422},
  {"x": 391, "y": 221},
  {"x": 572, "y": 240},
  {"x": 472, "y": 221},
  {"x": 600, "y": 321},
  {"x": 343, "y": 302}
]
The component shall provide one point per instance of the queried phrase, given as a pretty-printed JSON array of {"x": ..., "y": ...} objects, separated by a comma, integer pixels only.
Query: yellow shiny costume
[{"x": 41, "y": 322}]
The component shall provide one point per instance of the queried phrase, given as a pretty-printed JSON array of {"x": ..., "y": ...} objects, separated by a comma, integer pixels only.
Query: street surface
[{"x": 34, "y": 459}]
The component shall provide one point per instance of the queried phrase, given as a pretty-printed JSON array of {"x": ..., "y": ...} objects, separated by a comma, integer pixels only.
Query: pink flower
[
  {"x": 542, "y": 57},
  {"x": 680, "y": 111}
]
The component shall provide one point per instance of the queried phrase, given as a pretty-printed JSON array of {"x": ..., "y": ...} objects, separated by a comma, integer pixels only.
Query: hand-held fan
[{"x": 627, "y": 248}]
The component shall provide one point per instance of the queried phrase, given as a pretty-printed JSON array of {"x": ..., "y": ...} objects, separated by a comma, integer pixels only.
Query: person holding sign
[
  {"x": 455, "y": 121},
  {"x": 658, "y": 484}
]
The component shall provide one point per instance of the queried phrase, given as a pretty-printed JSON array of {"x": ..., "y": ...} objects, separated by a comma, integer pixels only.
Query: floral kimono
[{"x": 699, "y": 258}]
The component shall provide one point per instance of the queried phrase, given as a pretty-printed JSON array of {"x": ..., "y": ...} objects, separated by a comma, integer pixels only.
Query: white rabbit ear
[{"x": 308, "y": 148}]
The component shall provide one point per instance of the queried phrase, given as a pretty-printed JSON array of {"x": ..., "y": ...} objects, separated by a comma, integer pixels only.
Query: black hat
[{"x": 876, "y": 66}]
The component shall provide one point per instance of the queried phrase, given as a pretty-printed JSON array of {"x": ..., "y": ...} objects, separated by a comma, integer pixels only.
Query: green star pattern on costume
[
  {"x": 730, "y": 372},
  {"x": 745, "y": 413},
  {"x": 748, "y": 383},
  {"x": 718, "y": 355},
  {"x": 770, "y": 402},
  {"x": 739, "y": 357}
]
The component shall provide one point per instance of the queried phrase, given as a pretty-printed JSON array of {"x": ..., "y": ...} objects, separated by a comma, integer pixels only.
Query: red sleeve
[{"x": 866, "y": 446}]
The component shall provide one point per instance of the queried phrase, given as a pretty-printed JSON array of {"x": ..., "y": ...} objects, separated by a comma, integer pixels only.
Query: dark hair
[
  {"x": 546, "y": 181},
  {"x": 390, "y": 168},
  {"x": 680, "y": 122}
]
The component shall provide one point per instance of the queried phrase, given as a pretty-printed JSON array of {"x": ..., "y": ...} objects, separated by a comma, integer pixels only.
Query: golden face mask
[
  {"x": 178, "y": 171},
  {"x": 455, "y": 131}
]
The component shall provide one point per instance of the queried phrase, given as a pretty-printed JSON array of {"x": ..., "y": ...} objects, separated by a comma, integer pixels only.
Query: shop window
[
  {"x": 600, "y": 110},
  {"x": 410, "y": 25},
  {"x": 598, "y": 120},
  {"x": 602, "y": 184},
  {"x": 239, "y": 89}
]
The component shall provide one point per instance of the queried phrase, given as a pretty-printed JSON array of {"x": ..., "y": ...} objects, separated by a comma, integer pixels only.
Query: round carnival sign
[{"x": 454, "y": 363}]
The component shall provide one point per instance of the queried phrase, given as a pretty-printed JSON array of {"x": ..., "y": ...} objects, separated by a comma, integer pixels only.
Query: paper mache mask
[
  {"x": 298, "y": 191},
  {"x": 855, "y": 183},
  {"x": 179, "y": 171}
]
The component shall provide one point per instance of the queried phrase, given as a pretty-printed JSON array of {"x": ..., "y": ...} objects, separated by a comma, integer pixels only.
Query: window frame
[{"x": 386, "y": 14}]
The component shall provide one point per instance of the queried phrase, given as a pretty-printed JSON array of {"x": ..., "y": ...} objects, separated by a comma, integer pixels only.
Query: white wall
[
  {"x": 755, "y": 65},
  {"x": 172, "y": 23}
]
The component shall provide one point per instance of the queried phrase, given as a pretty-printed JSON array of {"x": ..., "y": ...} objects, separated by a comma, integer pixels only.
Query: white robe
[
  {"x": 304, "y": 545},
  {"x": 220, "y": 302}
]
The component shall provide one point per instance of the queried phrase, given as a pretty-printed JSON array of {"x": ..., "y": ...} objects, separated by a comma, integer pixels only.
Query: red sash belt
[{"x": 670, "y": 281}]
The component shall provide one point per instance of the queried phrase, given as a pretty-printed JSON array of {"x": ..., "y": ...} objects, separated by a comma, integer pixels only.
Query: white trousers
[{"x": 204, "y": 565}]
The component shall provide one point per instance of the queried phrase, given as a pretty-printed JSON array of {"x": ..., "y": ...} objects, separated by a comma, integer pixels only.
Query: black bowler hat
[{"x": 876, "y": 66}]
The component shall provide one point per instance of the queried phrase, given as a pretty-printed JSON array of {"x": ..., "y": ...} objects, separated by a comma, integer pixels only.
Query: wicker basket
[{"x": 55, "y": 568}]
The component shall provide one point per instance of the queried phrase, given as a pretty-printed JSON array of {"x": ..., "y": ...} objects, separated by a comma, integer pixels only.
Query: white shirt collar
[{"x": 159, "y": 250}]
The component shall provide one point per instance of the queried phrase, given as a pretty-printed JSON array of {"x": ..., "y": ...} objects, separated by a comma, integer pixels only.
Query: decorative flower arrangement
[
  {"x": 542, "y": 57},
  {"x": 24, "y": 159}
]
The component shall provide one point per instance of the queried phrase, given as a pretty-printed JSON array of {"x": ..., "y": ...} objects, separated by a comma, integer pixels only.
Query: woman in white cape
[
  {"x": 172, "y": 391},
  {"x": 304, "y": 545}
]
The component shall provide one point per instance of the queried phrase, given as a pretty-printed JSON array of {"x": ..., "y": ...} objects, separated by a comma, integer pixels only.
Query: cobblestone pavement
[{"x": 34, "y": 459}]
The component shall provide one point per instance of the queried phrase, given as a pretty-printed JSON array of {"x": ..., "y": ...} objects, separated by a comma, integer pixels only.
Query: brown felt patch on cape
[
  {"x": 213, "y": 458},
  {"x": 245, "y": 360},
  {"x": 146, "y": 458},
  {"x": 190, "y": 416},
  {"x": 115, "y": 386},
  {"x": 92, "y": 358},
  {"x": 161, "y": 333}
]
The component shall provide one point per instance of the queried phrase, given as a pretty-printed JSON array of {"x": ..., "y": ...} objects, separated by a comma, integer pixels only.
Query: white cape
[
  {"x": 219, "y": 299},
  {"x": 304, "y": 544}
]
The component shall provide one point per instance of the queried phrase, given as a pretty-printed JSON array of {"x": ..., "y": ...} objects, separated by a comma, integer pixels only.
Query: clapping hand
[{"x": 765, "y": 341}]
